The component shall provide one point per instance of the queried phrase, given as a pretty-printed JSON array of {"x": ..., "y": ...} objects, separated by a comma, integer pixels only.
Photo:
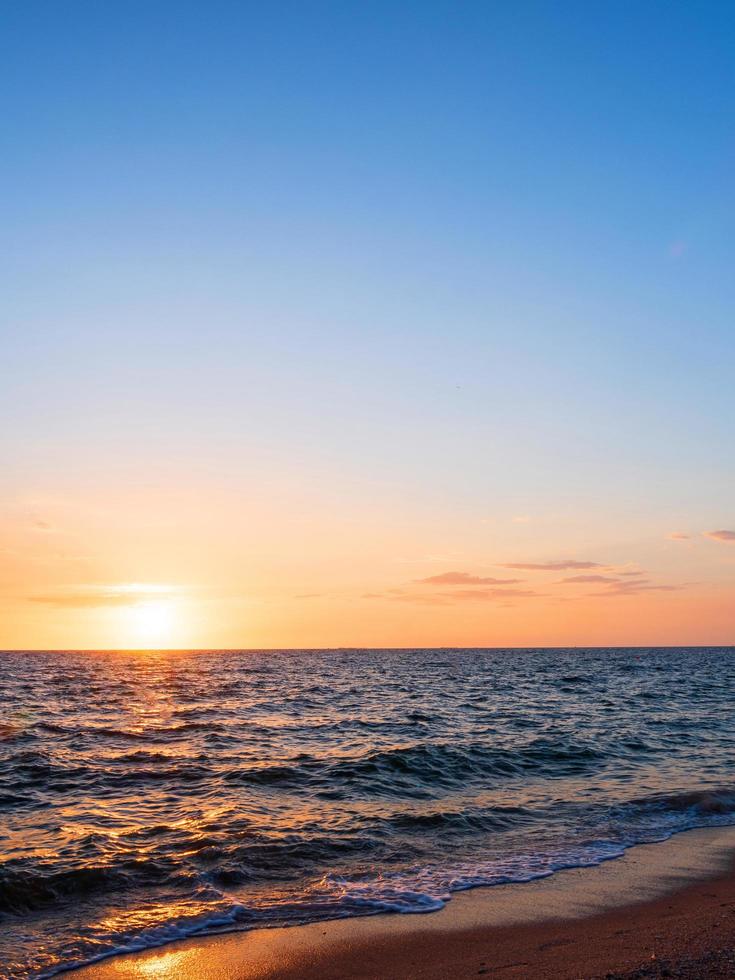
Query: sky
[{"x": 394, "y": 324}]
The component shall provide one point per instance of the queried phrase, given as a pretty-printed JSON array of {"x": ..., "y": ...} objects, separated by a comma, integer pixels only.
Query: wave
[
  {"x": 24, "y": 889},
  {"x": 221, "y": 862},
  {"x": 470, "y": 820},
  {"x": 710, "y": 806},
  {"x": 422, "y": 889},
  {"x": 428, "y": 768},
  {"x": 417, "y": 770}
]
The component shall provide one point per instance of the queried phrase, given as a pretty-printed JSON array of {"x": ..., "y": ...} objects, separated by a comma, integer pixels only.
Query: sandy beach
[{"x": 663, "y": 909}]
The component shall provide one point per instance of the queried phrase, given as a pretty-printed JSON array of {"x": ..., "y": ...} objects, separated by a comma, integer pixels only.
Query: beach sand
[{"x": 662, "y": 910}]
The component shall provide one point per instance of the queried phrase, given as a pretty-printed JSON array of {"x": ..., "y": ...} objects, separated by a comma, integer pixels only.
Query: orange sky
[{"x": 217, "y": 568}]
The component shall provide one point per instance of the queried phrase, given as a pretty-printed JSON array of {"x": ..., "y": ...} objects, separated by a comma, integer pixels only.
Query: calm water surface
[{"x": 147, "y": 796}]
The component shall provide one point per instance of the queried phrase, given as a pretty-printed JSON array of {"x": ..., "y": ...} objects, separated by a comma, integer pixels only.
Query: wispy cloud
[
  {"x": 551, "y": 566},
  {"x": 637, "y": 587},
  {"x": 499, "y": 595},
  {"x": 678, "y": 536},
  {"x": 588, "y": 578},
  {"x": 89, "y": 596},
  {"x": 80, "y": 600},
  {"x": 465, "y": 578},
  {"x": 434, "y": 559},
  {"x": 422, "y": 598},
  {"x": 42, "y": 527},
  {"x": 491, "y": 595},
  {"x": 728, "y": 536}
]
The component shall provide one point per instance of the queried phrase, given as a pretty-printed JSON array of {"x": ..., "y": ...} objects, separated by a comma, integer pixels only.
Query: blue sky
[{"x": 473, "y": 255}]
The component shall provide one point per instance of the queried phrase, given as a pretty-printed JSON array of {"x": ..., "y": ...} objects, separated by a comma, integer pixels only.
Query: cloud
[
  {"x": 551, "y": 566},
  {"x": 720, "y": 535},
  {"x": 463, "y": 595},
  {"x": 678, "y": 536},
  {"x": 43, "y": 527},
  {"x": 521, "y": 519},
  {"x": 432, "y": 599},
  {"x": 90, "y": 596},
  {"x": 464, "y": 578},
  {"x": 81, "y": 600},
  {"x": 590, "y": 578},
  {"x": 636, "y": 587},
  {"x": 434, "y": 559},
  {"x": 491, "y": 595}
]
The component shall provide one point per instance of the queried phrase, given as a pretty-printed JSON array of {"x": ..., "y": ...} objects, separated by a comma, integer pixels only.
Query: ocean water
[{"x": 150, "y": 796}]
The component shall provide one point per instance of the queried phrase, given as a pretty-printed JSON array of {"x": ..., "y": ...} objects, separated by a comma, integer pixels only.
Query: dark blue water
[{"x": 147, "y": 796}]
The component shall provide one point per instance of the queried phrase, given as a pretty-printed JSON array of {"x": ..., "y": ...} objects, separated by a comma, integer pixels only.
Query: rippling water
[{"x": 147, "y": 796}]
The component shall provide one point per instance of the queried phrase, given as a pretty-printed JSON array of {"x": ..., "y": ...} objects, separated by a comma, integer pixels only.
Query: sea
[{"x": 149, "y": 796}]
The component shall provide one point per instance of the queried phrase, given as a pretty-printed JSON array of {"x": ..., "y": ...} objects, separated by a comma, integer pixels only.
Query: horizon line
[{"x": 574, "y": 646}]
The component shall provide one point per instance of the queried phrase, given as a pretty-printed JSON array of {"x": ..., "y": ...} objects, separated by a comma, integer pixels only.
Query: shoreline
[{"x": 664, "y": 909}]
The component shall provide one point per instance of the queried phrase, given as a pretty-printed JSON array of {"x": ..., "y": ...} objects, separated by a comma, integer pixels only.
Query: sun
[
  {"x": 145, "y": 615},
  {"x": 151, "y": 623}
]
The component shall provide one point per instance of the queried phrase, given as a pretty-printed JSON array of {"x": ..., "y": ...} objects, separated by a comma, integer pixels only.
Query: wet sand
[{"x": 662, "y": 910}]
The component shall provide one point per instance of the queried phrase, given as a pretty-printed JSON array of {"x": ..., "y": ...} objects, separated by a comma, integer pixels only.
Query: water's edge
[{"x": 653, "y": 887}]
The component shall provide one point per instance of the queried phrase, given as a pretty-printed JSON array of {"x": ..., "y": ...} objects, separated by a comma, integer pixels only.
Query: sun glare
[
  {"x": 151, "y": 623},
  {"x": 145, "y": 616}
]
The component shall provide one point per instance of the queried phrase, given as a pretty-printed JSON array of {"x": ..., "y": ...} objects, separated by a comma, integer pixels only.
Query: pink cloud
[
  {"x": 552, "y": 566},
  {"x": 678, "y": 536},
  {"x": 720, "y": 535},
  {"x": 464, "y": 578},
  {"x": 589, "y": 578},
  {"x": 489, "y": 595},
  {"x": 636, "y": 587},
  {"x": 466, "y": 595}
]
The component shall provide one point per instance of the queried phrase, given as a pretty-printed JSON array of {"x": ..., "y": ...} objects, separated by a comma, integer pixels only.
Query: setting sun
[
  {"x": 135, "y": 615},
  {"x": 150, "y": 623}
]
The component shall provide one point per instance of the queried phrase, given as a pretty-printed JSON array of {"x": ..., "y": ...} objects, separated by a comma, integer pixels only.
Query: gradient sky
[{"x": 306, "y": 303}]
